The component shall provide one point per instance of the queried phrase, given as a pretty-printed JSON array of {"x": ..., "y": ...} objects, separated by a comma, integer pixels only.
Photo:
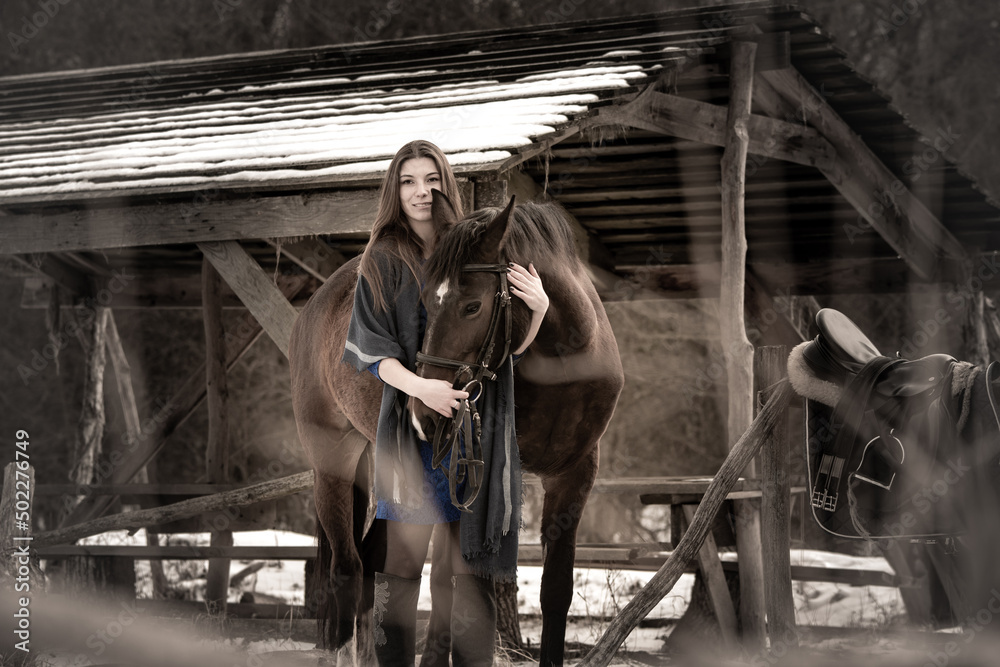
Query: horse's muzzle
[{"x": 423, "y": 418}]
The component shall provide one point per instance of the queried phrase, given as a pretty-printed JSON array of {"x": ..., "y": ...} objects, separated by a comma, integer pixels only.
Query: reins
[{"x": 466, "y": 425}]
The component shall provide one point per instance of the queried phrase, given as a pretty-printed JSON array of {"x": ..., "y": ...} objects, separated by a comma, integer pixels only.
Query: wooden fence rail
[
  {"x": 661, "y": 583},
  {"x": 270, "y": 490}
]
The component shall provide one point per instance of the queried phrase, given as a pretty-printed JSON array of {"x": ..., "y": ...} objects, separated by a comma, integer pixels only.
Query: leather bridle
[{"x": 466, "y": 425}]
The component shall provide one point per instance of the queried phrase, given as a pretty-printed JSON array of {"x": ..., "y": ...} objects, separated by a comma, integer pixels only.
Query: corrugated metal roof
[{"x": 331, "y": 117}]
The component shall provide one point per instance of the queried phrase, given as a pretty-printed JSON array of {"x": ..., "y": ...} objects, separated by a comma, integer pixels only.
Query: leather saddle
[
  {"x": 842, "y": 350},
  {"x": 885, "y": 440}
]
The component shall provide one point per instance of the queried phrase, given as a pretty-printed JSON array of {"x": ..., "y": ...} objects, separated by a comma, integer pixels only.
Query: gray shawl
[{"x": 489, "y": 533}]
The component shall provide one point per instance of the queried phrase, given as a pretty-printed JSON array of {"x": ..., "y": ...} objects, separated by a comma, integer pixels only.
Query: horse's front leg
[{"x": 565, "y": 497}]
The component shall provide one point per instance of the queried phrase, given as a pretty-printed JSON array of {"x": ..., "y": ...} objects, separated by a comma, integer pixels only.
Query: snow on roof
[{"x": 293, "y": 138}]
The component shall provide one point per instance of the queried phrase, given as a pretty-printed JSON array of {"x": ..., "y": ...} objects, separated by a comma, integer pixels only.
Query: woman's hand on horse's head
[
  {"x": 527, "y": 286},
  {"x": 439, "y": 396}
]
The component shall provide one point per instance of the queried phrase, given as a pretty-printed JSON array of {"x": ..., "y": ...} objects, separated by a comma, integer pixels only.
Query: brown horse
[{"x": 566, "y": 388}]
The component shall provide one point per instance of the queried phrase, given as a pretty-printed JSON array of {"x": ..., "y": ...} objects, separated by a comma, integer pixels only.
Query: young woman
[{"x": 386, "y": 331}]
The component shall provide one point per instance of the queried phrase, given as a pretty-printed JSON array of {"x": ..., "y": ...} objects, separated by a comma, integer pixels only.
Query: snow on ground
[{"x": 598, "y": 593}]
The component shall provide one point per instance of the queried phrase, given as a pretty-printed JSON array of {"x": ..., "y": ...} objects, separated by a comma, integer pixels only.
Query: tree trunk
[
  {"x": 88, "y": 442},
  {"x": 507, "y": 619}
]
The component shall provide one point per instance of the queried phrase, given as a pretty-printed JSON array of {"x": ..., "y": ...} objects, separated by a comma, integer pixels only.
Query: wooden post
[
  {"x": 13, "y": 533},
  {"x": 88, "y": 441},
  {"x": 217, "y": 454},
  {"x": 130, "y": 412},
  {"x": 254, "y": 288},
  {"x": 737, "y": 349},
  {"x": 715, "y": 584},
  {"x": 975, "y": 319},
  {"x": 775, "y": 510},
  {"x": 668, "y": 574}
]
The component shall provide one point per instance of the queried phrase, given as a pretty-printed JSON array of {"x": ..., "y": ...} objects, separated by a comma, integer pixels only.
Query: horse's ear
[
  {"x": 498, "y": 227},
  {"x": 442, "y": 211}
]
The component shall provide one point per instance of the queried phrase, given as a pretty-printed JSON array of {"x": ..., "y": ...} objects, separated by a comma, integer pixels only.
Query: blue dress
[{"x": 436, "y": 506}]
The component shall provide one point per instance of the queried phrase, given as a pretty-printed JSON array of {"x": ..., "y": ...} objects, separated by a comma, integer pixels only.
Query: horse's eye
[{"x": 472, "y": 308}]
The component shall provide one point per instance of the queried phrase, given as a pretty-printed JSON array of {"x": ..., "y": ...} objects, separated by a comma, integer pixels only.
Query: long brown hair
[{"x": 390, "y": 233}]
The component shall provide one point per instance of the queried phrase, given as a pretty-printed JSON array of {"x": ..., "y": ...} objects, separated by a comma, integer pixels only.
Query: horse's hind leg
[
  {"x": 565, "y": 497},
  {"x": 340, "y": 509},
  {"x": 341, "y": 587}
]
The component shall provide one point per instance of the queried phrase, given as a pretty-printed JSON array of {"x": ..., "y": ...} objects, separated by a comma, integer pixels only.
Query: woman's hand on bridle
[{"x": 439, "y": 396}]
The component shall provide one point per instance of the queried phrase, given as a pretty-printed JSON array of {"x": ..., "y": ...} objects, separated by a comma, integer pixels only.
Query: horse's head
[{"x": 472, "y": 322}]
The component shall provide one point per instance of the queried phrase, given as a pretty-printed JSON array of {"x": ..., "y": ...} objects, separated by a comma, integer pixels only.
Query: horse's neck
[{"x": 571, "y": 321}]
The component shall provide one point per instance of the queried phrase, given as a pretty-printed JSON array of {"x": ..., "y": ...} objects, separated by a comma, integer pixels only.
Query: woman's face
[{"x": 417, "y": 177}]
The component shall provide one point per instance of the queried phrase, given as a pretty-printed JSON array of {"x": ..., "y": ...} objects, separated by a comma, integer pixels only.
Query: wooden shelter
[{"x": 725, "y": 152}]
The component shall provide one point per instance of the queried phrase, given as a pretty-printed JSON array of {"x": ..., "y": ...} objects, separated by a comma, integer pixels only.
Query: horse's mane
[{"x": 537, "y": 233}]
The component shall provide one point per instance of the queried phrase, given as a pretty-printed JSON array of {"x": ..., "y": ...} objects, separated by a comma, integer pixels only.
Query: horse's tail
[{"x": 324, "y": 602}]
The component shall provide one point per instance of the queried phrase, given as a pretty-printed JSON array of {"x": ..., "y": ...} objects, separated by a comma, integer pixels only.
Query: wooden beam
[
  {"x": 348, "y": 212},
  {"x": 663, "y": 581},
  {"x": 706, "y": 123},
  {"x": 312, "y": 256},
  {"x": 148, "y": 289},
  {"x": 715, "y": 585},
  {"x": 830, "y": 276},
  {"x": 269, "y": 490},
  {"x": 168, "y": 418},
  {"x": 490, "y": 194},
  {"x": 178, "y": 552},
  {"x": 736, "y": 347},
  {"x": 244, "y": 275},
  {"x": 71, "y": 279},
  {"x": 882, "y": 200},
  {"x": 137, "y": 489}
]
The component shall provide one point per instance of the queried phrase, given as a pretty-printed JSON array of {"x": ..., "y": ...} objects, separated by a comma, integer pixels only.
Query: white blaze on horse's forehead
[{"x": 441, "y": 291}]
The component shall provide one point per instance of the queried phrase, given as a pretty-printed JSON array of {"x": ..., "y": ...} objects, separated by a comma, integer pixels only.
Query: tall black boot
[
  {"x": 395, "y": 620},
  {"x": 473, "y": 621},
  {"x": 437, "y": 648}
]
